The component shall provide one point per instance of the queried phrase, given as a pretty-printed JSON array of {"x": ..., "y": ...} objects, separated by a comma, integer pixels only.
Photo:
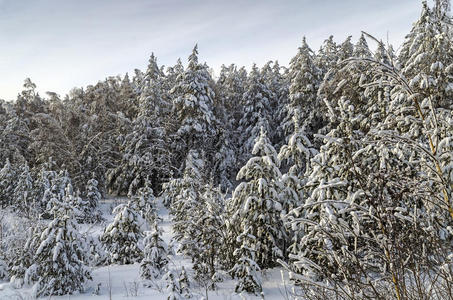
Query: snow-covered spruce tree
[
  {"x": 185, "y": 201},
  {"x": 172, "y": 285},
  {"x": 230, "y": 87},
  {"x": 122, "y": 235},
  {"x": 304, "y": 78},
  {"x": 44, "y": 178},
  {"x": 380, "y": 209},
  {"x": 7, "y": 179},
  {"x": 59, "y": 262},
  {"x": 327, "y": 56},
  {"x": 93, "y": 196},
  {"x": 3, "y": 269},
  {"x": 209, "y": 239},
  {"x": 145, "y": 148},
  {"x": 193, "y": 109},
  {"x": 59, "y": 266},
  {"x": 145, "y": 203},
  {"x": 174, "y": 76},
  {"x": 129, "y": 98},
  {"x": 184, "y": 284},
  {"x": 155, "y": 252},
  {"x": 23, "y": 201},
  {"x": 246, "y": 270},
  {"x": 21, "y": 247},
  {"x": 297, "y": 154},
  {"x": 256, "y": 112},
  {"x": 225, "y": 160},
  {"x": 256, "y": 206},
  {"x": 427, "y": 58},
  {"x": 69, "y": 201},
  {"x": 95, "y": 251},
  {"x": 279, "y": 85}
]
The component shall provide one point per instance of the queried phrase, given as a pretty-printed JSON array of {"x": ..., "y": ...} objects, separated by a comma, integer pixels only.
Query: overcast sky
[{"x": 62, "y": 44}]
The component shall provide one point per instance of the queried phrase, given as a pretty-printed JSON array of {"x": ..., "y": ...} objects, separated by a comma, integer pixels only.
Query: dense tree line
[{"x": 338, "y": 167}]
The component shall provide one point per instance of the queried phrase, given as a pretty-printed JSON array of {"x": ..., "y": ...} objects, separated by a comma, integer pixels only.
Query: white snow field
[{"x": 123, "y": 281}]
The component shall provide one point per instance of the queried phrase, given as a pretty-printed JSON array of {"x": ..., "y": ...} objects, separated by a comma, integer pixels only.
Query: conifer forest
[{"x": 328, "y": 178}]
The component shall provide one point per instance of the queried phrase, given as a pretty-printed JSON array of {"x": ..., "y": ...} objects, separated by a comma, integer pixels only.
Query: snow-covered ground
[{"x": 123, "y": 281}]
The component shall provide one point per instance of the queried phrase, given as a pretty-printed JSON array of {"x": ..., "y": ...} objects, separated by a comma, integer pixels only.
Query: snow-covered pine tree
[
  {"x": 193, "y": 109},
  {"x": 256, "y": 112},
  {"x": 327, "y": 56},
  {"x": 42, "y": 185},
  {"x": 23, "y": 257},
  {"x": 184, "y": 284},
  {"x": 145, "y": 203},
  {"x": 95, "y": 252},
  {"x": 145, "y": 149},
  {"x": 155, "y": 252},
  {"x": 225, "y": 162},
  {"x": 297, "y": 154},
  {"x": 426, "y": 58},
  {"x": 231, "y": 88},
  {"x": 304, "y": 79},
  {"x": 256, "y": 205},
  {"x": 93, "y": 197},
  {"x": 59, "y": 262},
  {"x": 185, "y": 201},
  {"x": 66, "y": 202},
  {"x": 246, "y": 270},
  {"x": 173, "y": 77},
  {"x": 23, "y": 192},
  {"x": 173, "y": 288},
  {"x": 279, "y": 85},
  {"x": 122, "y": 235},
  {"x": 7, "y": 179},
  {"x": 208, "y": 255},
  {"x": 128, "y": 98}
]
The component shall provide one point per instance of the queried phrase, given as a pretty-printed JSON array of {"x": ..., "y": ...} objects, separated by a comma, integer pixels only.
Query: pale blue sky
[{"x": 61, "y": 44}]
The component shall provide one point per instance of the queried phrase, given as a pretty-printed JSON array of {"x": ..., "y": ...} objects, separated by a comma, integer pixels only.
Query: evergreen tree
[
  {"x": 256, "y": 205},
  {"x": 256, "y": 111},
  {"x": 173, "y": 288},
  {"x": 184, "y": 196},
  {"x": 155, "y": 252},
  {"x": 93, "y": 197},
  {"x": 297, "y": 153},
  {"x": 7, "y": 179},
  {"x": 145, "y": 148},
  {"x": 184, "y": 284},
  {"x": 304, "y": 78},
  {"x": 122, "y": 235},
  {"x": 193, "y": 109},
  {"x": 145, "y": 203},
  {"x": 246, "y": 269},
  {"x": 59, "y": 262},
  {"x": 23, "y": 201}
]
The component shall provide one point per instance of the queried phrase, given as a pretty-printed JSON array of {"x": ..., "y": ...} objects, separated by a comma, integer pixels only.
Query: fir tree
[
  {"x": 93, "y": 197},
  {"x": 256, "y": 111},
  {"x": 256, "y": 205},
  {"x": 193, "y": 109},
  {"x": 246, "y": 269},
  {"x": 304, "y": 78},
  {"x": 155, "y": 260},
  {"x": 58, "y": 264},
  {"x": 122, "y": 235},
  {"x": 7, "y": 179},
  {"x": 173, "y": 288}
]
